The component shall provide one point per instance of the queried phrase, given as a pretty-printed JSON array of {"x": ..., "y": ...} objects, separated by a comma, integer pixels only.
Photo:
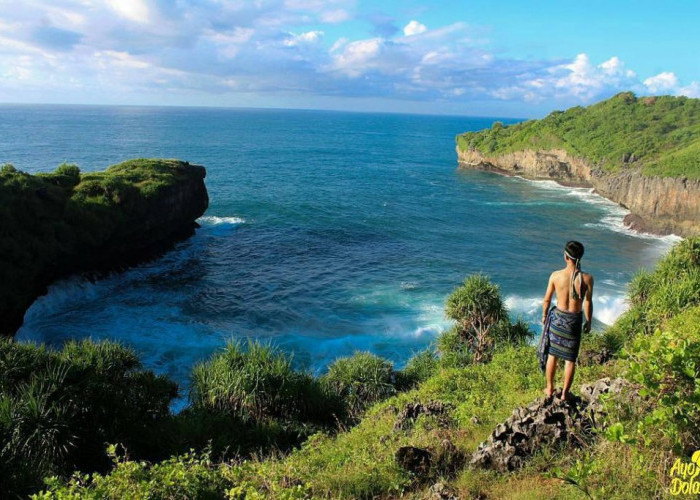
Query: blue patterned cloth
[{"x": 563, "y": 330}]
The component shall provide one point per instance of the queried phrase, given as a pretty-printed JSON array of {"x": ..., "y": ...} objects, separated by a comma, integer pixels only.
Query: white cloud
[
  {"x": 661, "y": 83},
  {"x": 692, "y": 90},
  {"x": 357, "y": 57},
  {"x": 335, "y": 16},
  {"x": 135, "y": 10},
  {"x": 303, "y": 38},
  {"x": 414, "y": 28}
]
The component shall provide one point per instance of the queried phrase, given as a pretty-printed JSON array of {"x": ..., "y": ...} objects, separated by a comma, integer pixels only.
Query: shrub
[
  {"x": 482, "y": 320},
  {"x": 185, "y": 476},
  {"x": 58, "y": 408},
  {"x": 667, "y": 366},
  {"x": 361, "y": 380},
  {"x": 671, "y": 288},
  {"x": 259, "y": 383},
  {"x": 421, "y": 367}
]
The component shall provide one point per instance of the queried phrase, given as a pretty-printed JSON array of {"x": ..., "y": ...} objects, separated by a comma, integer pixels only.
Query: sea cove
[{"x": 327, "y": 232}]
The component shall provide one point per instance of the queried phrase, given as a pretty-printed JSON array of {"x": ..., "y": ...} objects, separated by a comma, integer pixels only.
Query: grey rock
[
  {"x": 411, "y": 411},
  {"x": 545, "y": 423}
]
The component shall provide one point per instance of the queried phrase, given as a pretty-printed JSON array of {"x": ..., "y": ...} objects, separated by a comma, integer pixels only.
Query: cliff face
[
  {"x": 102, "y": 222},
  {"x": 660, "y": 205}
]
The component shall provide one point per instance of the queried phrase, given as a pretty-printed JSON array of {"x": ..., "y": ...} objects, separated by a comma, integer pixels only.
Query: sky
[{"x": 480, "y": 58}]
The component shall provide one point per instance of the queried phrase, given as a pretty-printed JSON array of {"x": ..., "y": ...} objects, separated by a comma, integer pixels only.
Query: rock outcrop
[
  {"x": 659, "y": 205},
  {"x": 545, "y": 423},
  {"x": 108, "y": 221}
]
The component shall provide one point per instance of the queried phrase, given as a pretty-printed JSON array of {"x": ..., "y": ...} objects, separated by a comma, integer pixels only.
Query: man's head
[{"x": 573, "y": 250}]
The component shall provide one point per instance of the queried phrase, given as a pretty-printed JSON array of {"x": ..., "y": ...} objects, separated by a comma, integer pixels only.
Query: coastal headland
[
  {"x": 643, "y": 154},
  {"x": 67, "y": 222}
]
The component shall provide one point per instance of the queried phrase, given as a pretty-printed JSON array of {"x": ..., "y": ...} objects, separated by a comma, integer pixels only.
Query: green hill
[{"x": 659, "y": 135}]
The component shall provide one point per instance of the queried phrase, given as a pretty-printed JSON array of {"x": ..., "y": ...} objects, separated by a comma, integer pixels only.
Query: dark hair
[{"x": 574, "y": 249}]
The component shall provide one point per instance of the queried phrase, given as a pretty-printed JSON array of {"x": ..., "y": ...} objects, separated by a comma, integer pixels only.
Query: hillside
[
  {"x": 643, "y": 153},
  {"x": 658, "y": 135},
  {"x": 56, "y": 224}
]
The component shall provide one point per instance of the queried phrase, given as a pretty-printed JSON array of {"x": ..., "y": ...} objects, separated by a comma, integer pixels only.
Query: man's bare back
[{"x": 560, "y": 283}]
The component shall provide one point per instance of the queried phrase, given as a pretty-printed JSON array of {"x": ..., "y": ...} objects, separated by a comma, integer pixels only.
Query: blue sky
[{"x": 493, "y": 58}]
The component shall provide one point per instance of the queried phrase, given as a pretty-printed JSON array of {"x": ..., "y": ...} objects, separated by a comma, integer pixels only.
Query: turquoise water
[{"x": 327, "y": 232}]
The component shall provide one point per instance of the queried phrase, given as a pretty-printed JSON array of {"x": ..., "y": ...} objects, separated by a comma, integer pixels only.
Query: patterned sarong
[{"x": 563, "y": 330}]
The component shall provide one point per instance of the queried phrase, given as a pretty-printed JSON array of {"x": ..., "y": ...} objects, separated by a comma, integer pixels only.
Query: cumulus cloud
[
  {"x": 663, "y": 82},
  {"x": 277, "y": 47},
  {"x": 414, "y": 28}
]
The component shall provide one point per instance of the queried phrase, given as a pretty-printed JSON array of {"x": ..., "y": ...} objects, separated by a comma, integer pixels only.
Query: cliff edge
[
  {"x": 643, "y": 153},
  {"x": 56, "y": 224},
  {"x": 659, "y": 205}
]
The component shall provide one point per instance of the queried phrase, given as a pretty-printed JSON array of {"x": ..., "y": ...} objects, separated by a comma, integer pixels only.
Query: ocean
[{"x": 327, "y": 233}]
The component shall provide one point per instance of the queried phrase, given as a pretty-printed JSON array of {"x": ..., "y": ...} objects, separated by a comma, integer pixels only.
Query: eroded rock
[
  {"x": 545, "y": 423},
  {"x": 411, "y": 412}
]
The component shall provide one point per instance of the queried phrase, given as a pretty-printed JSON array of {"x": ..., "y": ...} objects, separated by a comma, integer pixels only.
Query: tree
[{"x": 477, "y": 308}]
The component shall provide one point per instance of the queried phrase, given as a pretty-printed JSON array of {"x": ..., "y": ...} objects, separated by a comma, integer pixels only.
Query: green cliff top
[
  {"x": 659, "y": 135},
  {"x": 54, "y": 224}
]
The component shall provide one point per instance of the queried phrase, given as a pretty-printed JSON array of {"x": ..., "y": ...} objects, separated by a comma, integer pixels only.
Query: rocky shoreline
[{"x": 658, "y": 205}]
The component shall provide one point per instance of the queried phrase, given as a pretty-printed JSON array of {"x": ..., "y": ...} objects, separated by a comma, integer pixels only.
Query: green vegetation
[
  {"x": 59, "y": 408},
  {"x": 254, "y": 390},
  {"x": 661, "y": 135},
  {"x": 54, "y": 224}
]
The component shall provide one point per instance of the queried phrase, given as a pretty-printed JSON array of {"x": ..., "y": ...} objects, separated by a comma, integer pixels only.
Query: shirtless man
[{"x": 574, "y": 291}]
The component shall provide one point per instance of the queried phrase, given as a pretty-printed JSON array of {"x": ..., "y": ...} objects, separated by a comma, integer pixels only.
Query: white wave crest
[
  {"x": 523, "y": 305},
  {"x": 213, "y": 220},
  {"x": 607, "y": 308},
  {"x": 615, "y": 214}
]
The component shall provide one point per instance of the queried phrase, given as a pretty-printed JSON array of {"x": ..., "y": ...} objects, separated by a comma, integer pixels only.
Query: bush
[
  {"x": 259, "y": 383},
  {"x": 185, "y": 476},
  {"x": 421, "y": 367},
  {"x": 58, "y": 408},
  {"x": 671, "y": 288},
  {"x": 482, "y": 320},
  {"x": 361, "y": 380},
  {"x": 667, "y": 366}
]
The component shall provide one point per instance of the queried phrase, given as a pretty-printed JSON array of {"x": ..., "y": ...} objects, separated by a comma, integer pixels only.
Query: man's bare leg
[
  {"x": 550, "y": 371},
  {"x": 569, "y": 371}
]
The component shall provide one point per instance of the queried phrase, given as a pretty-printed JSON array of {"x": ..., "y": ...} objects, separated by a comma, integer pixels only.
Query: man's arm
[
  {"x": 588, "y": 305},
  {"x": 547, "y": 297}
]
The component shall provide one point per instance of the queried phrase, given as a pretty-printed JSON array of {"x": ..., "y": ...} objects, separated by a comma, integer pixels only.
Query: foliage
[
  {"x": 482, "y": 319},
  {"x": 185, "y": 476},
  {"x": 361, "y": 380},
  {"x": 421, "y": 366},
  {"x": 58, "y": 408},
  {"x": 258, "y": 383},
  {"x": 667, "y": 366},
  {"x": 672, "y": 287},
  {"x": 659, "y": 134}
]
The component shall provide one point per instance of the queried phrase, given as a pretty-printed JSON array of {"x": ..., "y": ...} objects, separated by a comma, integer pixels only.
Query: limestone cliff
[
  {"x": 660, "y": 205},
  {"x": 56, "y": 225}
]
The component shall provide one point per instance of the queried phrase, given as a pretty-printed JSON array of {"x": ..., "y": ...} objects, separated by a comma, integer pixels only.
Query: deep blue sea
[{"x": 327, "y": 232}]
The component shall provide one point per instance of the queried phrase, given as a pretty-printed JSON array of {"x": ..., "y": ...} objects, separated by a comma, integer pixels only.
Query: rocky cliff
[
  {"x": 660, "y": 205},
  {"x": 56, "y": 225}
]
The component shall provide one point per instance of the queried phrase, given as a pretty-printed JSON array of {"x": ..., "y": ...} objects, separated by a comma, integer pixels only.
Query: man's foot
[
  {"x": 548, "y": 396},
  {"x": 566, "y": 396}
]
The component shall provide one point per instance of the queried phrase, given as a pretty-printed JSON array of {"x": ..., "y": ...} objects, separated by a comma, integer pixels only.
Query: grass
[{"x": 658, "y": 135}]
